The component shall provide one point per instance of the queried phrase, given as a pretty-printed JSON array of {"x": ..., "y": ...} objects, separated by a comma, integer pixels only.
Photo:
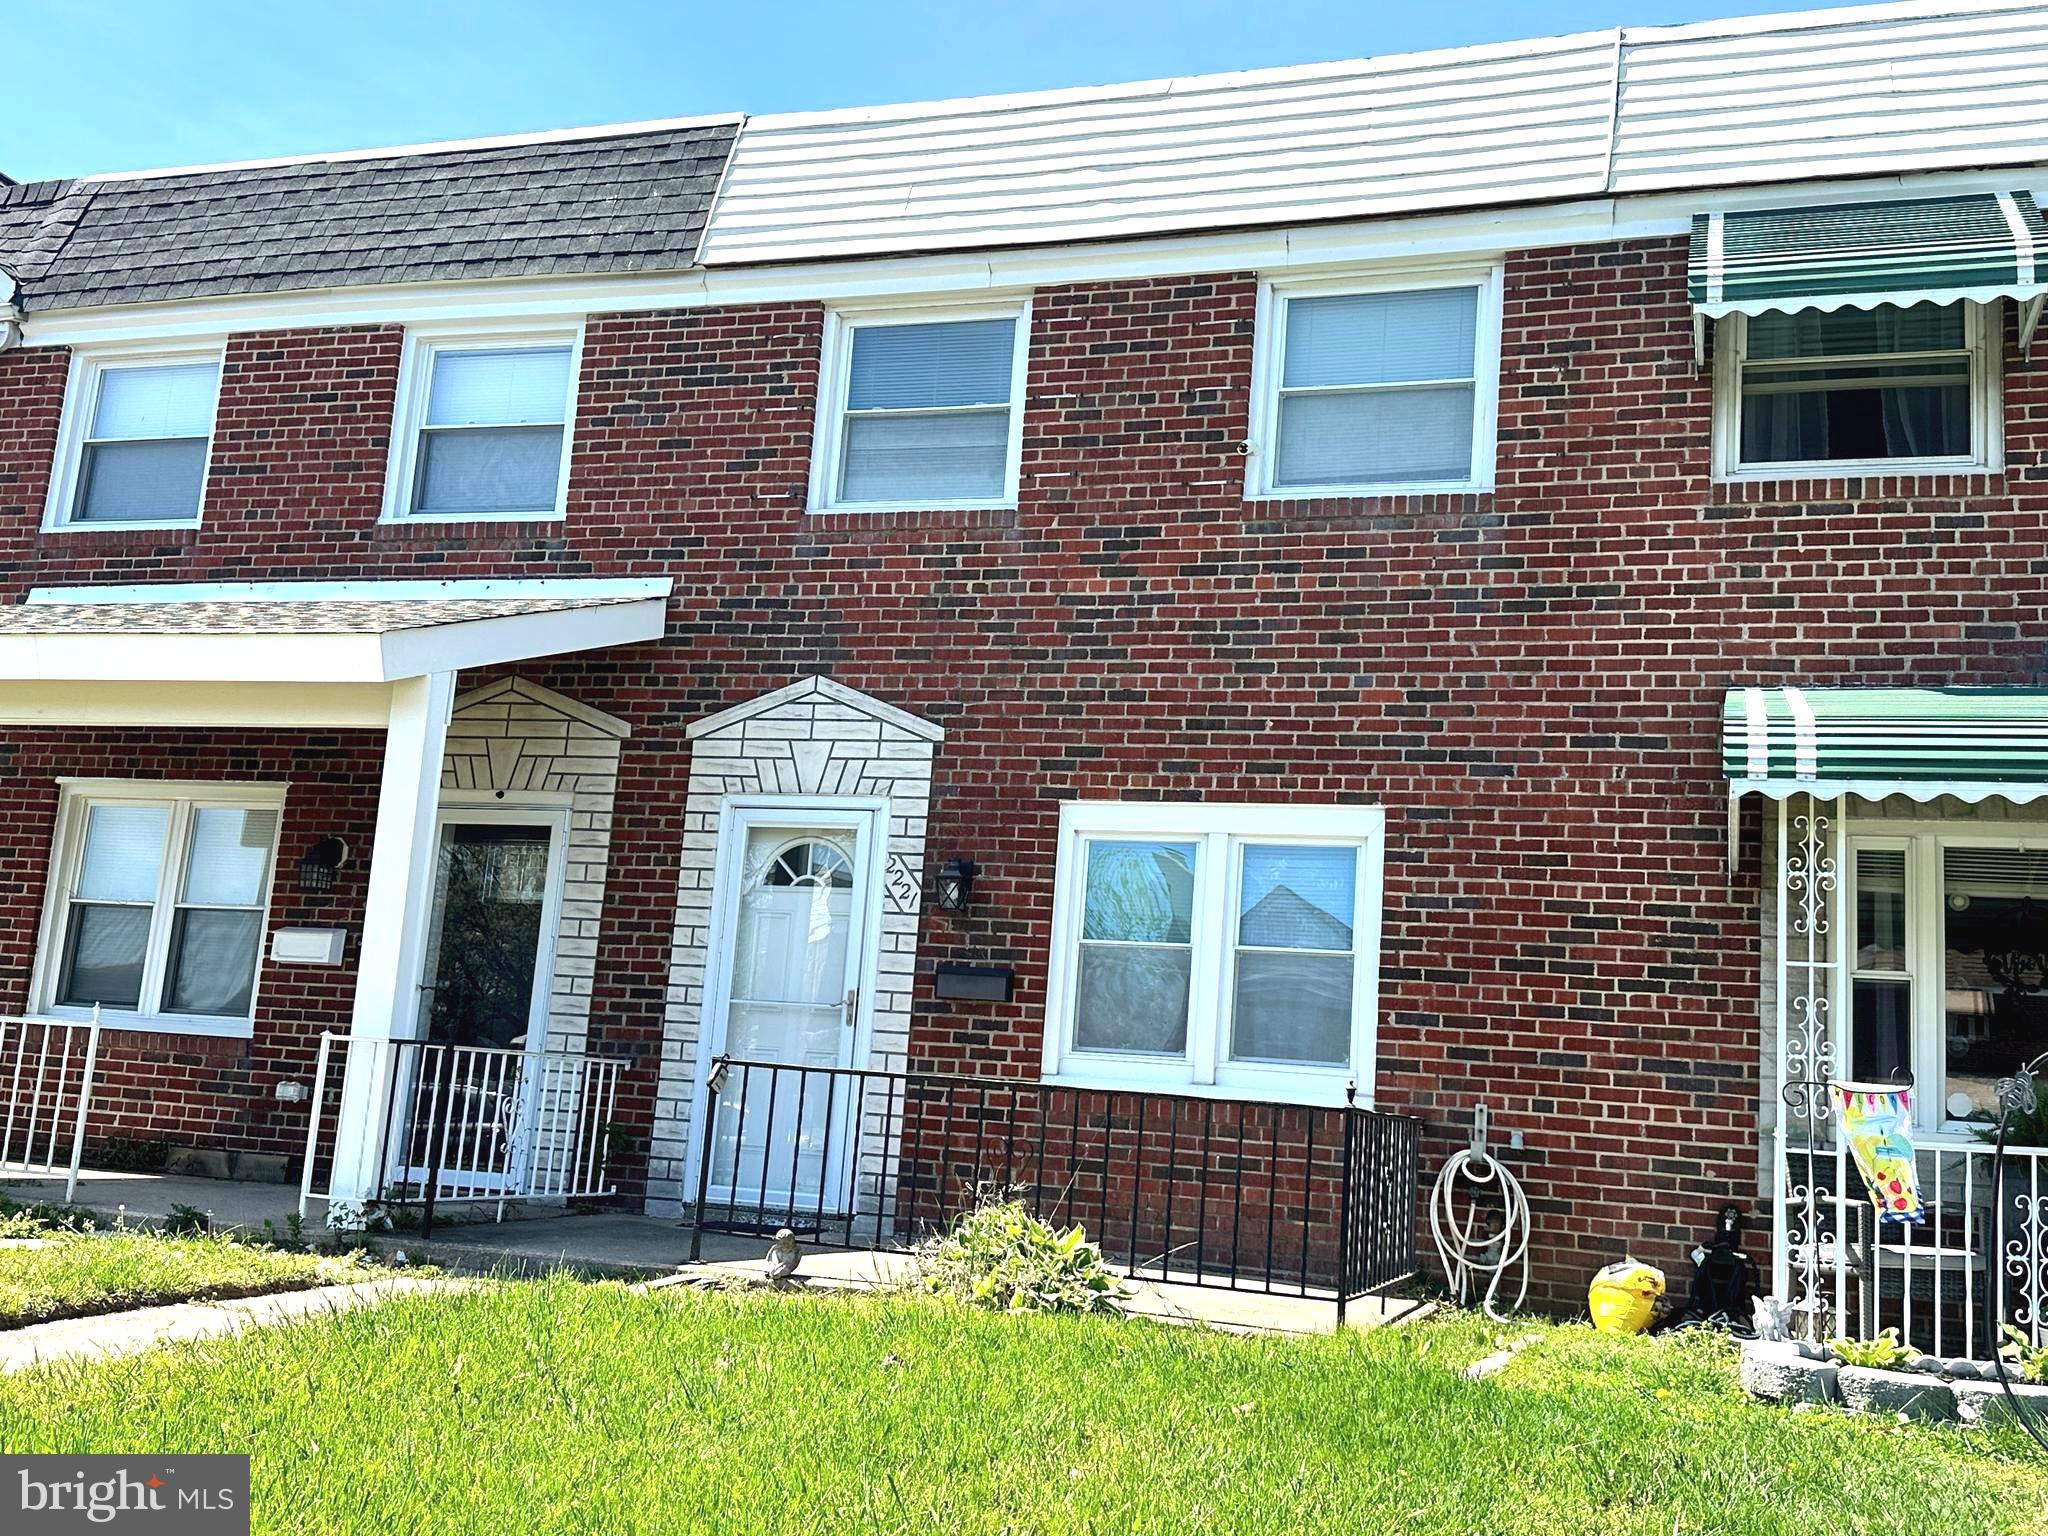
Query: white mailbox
[{"x": 307, "y": 946}]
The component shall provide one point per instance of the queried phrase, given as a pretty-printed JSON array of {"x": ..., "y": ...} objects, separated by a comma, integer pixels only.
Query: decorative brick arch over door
[{"x": 819, "y": 739}]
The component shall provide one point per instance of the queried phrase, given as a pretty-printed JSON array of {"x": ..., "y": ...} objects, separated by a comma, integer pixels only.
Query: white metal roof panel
[
  {"x": 1920, "y": 85},
  {"x": 1475, "y": 125},
  {"x": 1892, "y": 88}
]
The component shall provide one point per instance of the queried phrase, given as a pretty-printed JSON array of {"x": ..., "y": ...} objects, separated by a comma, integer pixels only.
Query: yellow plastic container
[{"x": 1623, "y": 1297}]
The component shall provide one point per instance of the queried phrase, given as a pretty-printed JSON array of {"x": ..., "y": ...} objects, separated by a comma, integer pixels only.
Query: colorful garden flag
[{"x": 1878, "y": 1121}]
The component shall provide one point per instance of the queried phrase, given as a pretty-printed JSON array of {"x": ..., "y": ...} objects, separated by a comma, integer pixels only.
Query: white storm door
[{"x": 799, "y": 888}]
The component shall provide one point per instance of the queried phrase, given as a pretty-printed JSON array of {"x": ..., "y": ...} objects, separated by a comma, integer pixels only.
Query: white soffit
[
  {"x": 1860, "y": 91},
  {"x": 315, "y": 632}
]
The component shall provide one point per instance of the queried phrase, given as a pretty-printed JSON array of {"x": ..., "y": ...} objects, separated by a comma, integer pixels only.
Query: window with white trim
[
  {"x": 921, "y": 408},
  {"x": 1376, "y": 388},
  {"x": 137, "y": 435},
  {"x": 1225, "y": 948},
  {"x": 1883, "y": 390},
  {"x": 483, "y": 426},
  {"x": 158, "y": 900},
  {"x": 1949, "y": 973}
]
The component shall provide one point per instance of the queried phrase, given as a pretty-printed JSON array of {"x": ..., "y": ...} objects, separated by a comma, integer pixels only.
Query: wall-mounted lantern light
[
  {"x": 316, "y": 869},
  {"x": 955, "y": 884}
]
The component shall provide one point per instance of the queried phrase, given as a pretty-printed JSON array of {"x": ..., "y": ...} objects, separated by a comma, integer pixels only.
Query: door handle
[{"x": 852, "y": 1006}]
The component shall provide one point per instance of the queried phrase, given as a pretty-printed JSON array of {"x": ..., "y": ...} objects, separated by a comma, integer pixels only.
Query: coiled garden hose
[{"x": 1470, "y": 1252}]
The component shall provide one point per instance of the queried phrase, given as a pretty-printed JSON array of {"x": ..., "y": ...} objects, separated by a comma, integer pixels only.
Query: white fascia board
[
  {"x": 1488, "y": 231},
  {"x": 520, "y": 637},
  {"x": 192, "y": 658},
  {"x": 197, "y": 706},
  {"x": 608, "y": 589}
]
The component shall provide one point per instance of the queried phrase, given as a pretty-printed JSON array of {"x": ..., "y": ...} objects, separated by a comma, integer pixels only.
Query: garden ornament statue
[
  {"x": 782, "y": 1257},
  {"x": 1473, "y": 1183}
]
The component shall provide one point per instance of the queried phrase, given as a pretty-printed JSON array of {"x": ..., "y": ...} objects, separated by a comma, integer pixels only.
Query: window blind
[
  {"x": 505, "y": 386},
  {"x": 918, "y": 367},
  {"x": 928, "y": 412},
  {"x": 171, "y": 400},
  {"x": 1377, "y": 389}
]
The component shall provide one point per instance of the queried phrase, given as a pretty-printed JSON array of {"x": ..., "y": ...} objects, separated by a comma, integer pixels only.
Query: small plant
[
  {"x": 291, "y": 1240},
  {"x": 1882, "y": 1353},
  {"x": 2023, "y": 1127},
  {"x": 2024, "y": 1355},
  {"x": 187, "y": 1221},
  {"x": 998, "y": 1255},
  {"x": 40, "y": 1218}
]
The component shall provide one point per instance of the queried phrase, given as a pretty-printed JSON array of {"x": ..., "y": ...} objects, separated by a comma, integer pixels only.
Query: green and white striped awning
[
  {"x": 1925, "y": 743},
  {"x": 1980, "y": 246}
]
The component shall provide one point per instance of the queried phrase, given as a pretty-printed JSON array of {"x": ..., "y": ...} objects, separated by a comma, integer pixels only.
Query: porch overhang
[
  {"x": 350, "y": 635},
  {"x": 1927, "y": 744}
]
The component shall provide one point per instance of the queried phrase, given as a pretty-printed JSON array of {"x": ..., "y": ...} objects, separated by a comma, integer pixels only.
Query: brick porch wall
[
  {"x": 197, "y": 1090},
  {"x": 1528, "y": 680}
]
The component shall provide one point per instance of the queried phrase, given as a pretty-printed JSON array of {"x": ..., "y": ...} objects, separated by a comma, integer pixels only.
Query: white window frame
[
  {"x": 415, "y": 379},
  {"x": 1924, "y": 842},
  {"x": 1221, "y": 830},
  {"x": 81, "y": 401},
  {"x": 835, "y": 376},
  {"x": 1262, "y": 448},
  {"x": 1983, "y": 339},
  {"x": 67, "y": 848}
]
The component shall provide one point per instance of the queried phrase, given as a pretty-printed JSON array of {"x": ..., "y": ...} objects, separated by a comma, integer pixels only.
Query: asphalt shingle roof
[{"x": 627, "y": 202}]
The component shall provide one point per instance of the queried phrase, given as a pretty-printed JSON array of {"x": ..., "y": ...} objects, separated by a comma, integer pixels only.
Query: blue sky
[{"x": 126, "y": 84}]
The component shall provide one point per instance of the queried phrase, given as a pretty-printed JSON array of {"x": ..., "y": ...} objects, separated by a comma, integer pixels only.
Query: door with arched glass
[{"x": 788, "y": 987}]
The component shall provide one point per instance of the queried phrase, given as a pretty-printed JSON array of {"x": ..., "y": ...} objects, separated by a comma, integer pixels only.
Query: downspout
[{"x": 10, "y": 310}]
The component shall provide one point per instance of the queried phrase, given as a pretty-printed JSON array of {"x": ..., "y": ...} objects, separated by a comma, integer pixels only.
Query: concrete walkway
[
  {"x": 148, "y": 1197},
  {"x": 129, "y": 1333},
  {"x": 627, "y": 1246},
  {"x": 657, "y": 1251}
]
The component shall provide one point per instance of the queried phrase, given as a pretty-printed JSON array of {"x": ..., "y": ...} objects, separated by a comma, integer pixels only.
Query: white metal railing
[
  {"x": 46, "y": 1080},
  {"x": 471, "y": 1124},
  {"x": 1947, "y": 1285}
]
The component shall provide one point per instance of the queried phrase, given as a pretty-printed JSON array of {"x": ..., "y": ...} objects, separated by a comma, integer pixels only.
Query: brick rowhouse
[{"x": 1528, "y": 679}]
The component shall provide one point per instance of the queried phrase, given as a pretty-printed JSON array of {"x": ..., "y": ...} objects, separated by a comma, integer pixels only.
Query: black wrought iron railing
[{"x": 1286, "y": 1199}]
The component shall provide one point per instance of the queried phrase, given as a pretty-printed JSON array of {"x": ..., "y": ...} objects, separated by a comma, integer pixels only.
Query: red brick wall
[{"x": 1528, "y": 680}]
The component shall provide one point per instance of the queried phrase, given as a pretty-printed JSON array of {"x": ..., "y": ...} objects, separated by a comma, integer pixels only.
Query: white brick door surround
[{"x": 815, "y": 738}]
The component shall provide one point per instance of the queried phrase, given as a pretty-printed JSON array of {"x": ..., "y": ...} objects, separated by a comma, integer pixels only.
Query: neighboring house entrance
[
  {"x": 489, "y": 971},
  {"x": 798, "y": 885}
]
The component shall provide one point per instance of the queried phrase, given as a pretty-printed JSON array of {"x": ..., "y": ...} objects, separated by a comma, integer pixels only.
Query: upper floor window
[
  {"x": 157, "y": 900},
  {"x": 483, "y": 426},
  {"x": 135, "y": 442},
  {"x": 1225, "y": 947},
  {"x": 1375, "y": 389},
  {"x": 1882, "y": 390},
  {"x": 920, "y": 409}
]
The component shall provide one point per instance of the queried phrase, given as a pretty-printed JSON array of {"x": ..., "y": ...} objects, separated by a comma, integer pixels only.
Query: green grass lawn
[
  {"x": 77, "y": 1274},
  {"x": 553, "y": 1406}
]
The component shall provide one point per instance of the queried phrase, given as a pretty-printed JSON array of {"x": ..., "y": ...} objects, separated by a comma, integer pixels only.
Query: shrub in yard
[{"x": 998, "y": 1255}]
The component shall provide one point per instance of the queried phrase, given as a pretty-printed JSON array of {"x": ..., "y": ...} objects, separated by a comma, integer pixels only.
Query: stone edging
[{"x": 1803, "y": 1374}]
